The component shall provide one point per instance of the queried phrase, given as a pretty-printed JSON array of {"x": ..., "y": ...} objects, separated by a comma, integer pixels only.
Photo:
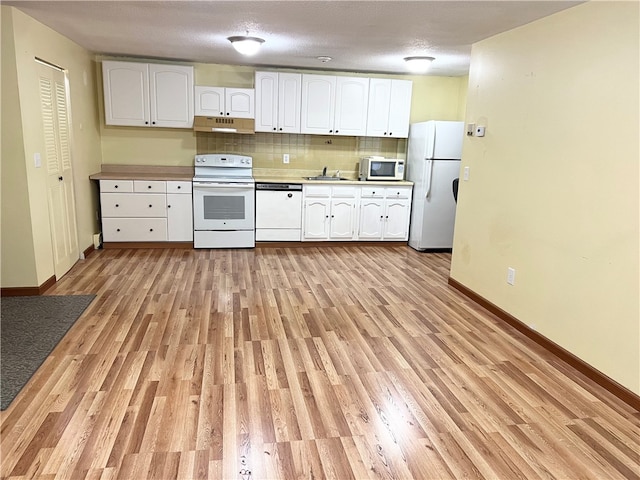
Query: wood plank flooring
[{"x": 340, "y": 362}]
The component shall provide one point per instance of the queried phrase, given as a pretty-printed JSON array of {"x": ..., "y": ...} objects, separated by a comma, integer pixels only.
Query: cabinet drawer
[
  {"x": 174, "y": 186},
  {"x": 116, "y": 186},
  {"x": 317, "y": 191},
  {"x": 134, "y": 229},
  {"x": 402, "y": 192},
  {"x": 150, "y": 186},
  {"x": 372, "y": 192},
  {"x": 133, "y": 205},
  {"x": 344, "y": 192}
]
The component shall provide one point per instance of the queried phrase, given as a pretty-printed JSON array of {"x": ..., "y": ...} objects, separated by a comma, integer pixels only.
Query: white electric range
[{"x": 223, "y": 201}]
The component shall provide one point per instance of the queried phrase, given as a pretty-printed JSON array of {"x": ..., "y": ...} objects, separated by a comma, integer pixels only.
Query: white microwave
[{"x": 380, "y": 168}]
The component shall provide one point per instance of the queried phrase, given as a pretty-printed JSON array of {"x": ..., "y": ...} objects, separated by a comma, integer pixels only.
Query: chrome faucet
[{"x": 324, "y": 172}]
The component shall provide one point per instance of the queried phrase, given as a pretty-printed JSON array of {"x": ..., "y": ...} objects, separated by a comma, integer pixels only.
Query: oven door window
[
  {"x": 223, "y": 208},
  {"x": 229, "y": 207}
]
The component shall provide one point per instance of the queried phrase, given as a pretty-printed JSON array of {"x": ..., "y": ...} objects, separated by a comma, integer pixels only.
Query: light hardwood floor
[{"x": 338, "y": 362}]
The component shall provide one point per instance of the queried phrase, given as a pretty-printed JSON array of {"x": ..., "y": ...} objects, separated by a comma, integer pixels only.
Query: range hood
[{"x": 224, "y": 125}]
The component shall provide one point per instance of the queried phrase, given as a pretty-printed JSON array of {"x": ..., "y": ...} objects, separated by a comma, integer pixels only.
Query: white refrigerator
[{"x": 433, "y": 162}]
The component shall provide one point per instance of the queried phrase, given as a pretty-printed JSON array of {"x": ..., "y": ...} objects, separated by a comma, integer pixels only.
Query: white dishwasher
[{"x": 278, "y": 212}]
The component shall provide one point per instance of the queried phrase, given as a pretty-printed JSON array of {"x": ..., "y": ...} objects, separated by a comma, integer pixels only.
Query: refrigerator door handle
[{"x": 428, "y": 179}]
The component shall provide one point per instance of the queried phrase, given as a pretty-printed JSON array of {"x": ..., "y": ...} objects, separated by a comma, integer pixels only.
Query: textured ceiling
[{"x": 361, "y": 36}]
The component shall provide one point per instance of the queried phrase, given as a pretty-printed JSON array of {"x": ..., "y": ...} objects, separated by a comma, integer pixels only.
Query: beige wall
[
  {"x": 17, "y": 258},
  {"x": 27, "y": 39},
  {"x": 553, "y": 189},
  {"x": 433, "y": 98}
]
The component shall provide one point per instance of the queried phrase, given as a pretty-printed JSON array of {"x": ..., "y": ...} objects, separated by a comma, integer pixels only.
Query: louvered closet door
[{"x": 57, "y": 161}]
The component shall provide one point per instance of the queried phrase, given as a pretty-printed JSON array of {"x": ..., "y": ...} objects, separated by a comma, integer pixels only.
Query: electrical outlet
[
  {"x": 465, "y": 174},
  {"x": 285, "y": 158},
  {"x": 37, "y": 160},
  {"x": 511, "y": 276}
]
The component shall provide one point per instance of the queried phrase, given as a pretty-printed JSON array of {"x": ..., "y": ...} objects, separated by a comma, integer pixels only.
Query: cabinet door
[
  {"x": 266, "y": 110},
  {"x": 239, "y": 102},
  {"x": 371, "y": 219},
  {"x": 289, "y": 102},
  {"x": 343, "y": 215},
  {"x": 378, "y": 114},
  {"x": 126, "y": 93},
  {"x": 396, "y": 221},
  {"x": 318, "y": 104},
  {"x": 179, "y": 217},
  {"x": 209, "y": 101},
  {"x": 171, "y": 95},
  {"x": 352, "y": 97},
  {"x": 400, "y": 108},
  {"x": 316, "y": 219}
]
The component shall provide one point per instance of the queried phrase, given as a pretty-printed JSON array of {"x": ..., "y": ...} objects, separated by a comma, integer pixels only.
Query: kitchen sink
[{"x": 326, "y": 178}]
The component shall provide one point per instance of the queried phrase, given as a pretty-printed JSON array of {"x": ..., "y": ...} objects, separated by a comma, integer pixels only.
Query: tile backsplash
[{"x": 308, "y": 154}]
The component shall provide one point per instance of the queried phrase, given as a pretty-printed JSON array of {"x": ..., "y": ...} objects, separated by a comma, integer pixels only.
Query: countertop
[
  {"x": 143, "y": 172},
  {"x": 302, "y": 180},
  {"x": 153, "y": 172}
]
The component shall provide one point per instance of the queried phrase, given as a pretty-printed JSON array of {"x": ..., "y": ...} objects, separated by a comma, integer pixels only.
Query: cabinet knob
[
  {"x": 274, "y": 129},
  {"x": 221, "y": 113},
  {"x": 115, "y": 186},
  {"x": 117, "y": 229},
  {"x": 60, "y": 178},
  {"x": 179, "y": 187},
  {"x": 153, "y": 123},
  {"x": 280, "y": 128},
  {"x": 336, "y": 131},
  {"x": 148, "y": 186},
  {"x": 151, "y": 229},
  {"x": 289, "y": 195},
  {"x": 117, "y": 205},
  {"x": 227, "y": 113},
  {"x": 390, "y": 133},
  {"x": 333, "y": 216},
  {"x": 168, "y": 206},
  {"x": 330, "y": 131},
  {"x": 150, "y": 205},
  {"x": 146, "y": 123},
  {"x": 387, "y": 216}
]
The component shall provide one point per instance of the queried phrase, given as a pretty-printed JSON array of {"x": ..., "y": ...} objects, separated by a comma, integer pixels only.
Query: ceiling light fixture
[
  {"x": 246, "y": 45},
  {"x": 324, "y": 58},
  {"x": 418, "y": 64}
]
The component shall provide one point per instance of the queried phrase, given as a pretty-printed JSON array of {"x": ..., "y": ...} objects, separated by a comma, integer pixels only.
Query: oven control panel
[{"x": 222, "y": 160}]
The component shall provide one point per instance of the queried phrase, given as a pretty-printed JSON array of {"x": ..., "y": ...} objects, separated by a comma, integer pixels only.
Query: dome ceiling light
[
  {"x": 418, "y": 64},
  {"x": 246, "y": 45}
]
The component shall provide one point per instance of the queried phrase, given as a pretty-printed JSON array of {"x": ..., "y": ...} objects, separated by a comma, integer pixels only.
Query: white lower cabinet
[
  {"x": 146, "y": 211},
  {"x": 356, "y": 213},
  {"x": 384, "y": 213},
  {"x": 329, "y": 212},
  {"x": 179, "y": 211}
]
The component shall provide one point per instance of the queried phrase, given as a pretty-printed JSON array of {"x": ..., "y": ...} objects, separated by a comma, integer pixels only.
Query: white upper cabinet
[
  {"x": 225, "y": 102},
  {"x": 318, "y": 104},
  {"x": 334, "y": 105},
  {"x": 389, "y": 108},
  {"x": 141, "y": 94},
  {"x": 352, "y": 97},
  {"x": 278, "y": 98}
]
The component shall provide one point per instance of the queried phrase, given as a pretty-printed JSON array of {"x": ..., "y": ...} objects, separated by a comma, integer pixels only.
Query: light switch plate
[{"x": 37, "y": 160}]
